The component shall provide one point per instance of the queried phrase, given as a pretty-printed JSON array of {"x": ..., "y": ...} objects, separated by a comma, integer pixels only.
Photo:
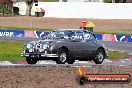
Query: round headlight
[
  {"x": 45, "y": 46},
  {"x": 29, "y": 46},
  {"x": 30, "y": 50}
]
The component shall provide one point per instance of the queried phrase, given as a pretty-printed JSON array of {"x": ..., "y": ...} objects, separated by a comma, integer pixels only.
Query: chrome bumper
[{"x": 38, "y": 54}]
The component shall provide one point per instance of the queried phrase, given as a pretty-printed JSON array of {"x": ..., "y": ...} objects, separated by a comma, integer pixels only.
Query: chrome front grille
[{"x": 39, "y": 48}]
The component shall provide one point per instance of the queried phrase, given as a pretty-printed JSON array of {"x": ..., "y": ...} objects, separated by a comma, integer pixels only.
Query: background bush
[
  {"x": 107, "y": 1},
  {"x": 16, "y": 10},
  {"x": 1, "y": 10},
  {"x": 7, "y": 11}
]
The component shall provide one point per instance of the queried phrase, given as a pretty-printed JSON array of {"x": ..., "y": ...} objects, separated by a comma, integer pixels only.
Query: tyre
[
  {"x": 62, "y": 56},
  {"x": 70, "y": 61},
  {"x": 31, "y": 60},
  {"x": 81, "y": 80},
  {"x": 100, "y": 55}
]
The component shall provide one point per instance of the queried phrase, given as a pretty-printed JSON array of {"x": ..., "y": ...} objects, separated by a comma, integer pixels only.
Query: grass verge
[
  {"x": 10, "y": 51},
  {"x": 116, "y": 32},
  {"x": 117, "y": 55},
  {"x": 20, "y": 28}
]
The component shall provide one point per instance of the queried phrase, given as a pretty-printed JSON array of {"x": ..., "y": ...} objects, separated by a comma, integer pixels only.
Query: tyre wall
[{"x": 43, "y": 34}]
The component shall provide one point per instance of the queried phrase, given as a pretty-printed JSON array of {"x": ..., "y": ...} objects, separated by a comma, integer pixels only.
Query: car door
[
  {"x": 78, "y": 45},
  {"x": 90, "y": 44}
]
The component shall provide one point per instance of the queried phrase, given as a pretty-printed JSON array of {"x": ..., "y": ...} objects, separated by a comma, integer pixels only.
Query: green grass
[
  {"x": 11, "y": 51},
  {"x": 116, "y": 32},
  {"x": 20, "y": 28},
  {"x": 117, "y": 55}
]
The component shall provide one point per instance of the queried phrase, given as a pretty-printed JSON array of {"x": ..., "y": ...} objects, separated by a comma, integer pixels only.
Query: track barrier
[{"x": 42, "y": 34}]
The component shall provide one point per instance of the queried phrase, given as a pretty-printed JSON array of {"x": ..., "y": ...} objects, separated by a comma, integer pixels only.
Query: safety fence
[{"x": 42, "y": 34}]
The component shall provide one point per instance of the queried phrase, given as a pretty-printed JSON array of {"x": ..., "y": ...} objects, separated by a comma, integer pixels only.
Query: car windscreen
[
  {"x": 89, "y": 36},
  {"x": 59, "y": 35}
]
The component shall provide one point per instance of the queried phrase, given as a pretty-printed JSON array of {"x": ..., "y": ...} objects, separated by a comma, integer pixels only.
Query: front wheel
[
  {"x": 70, "y": 61},
  {"x": 99, "y": 56},
  {"x": 31, "y": 60},
  {"x": 62, "y": 56}
]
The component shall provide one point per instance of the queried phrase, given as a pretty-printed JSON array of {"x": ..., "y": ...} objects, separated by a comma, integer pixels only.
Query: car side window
[
  {"x": 79, "y": 35},
  {"x": 88, "y": 36}
]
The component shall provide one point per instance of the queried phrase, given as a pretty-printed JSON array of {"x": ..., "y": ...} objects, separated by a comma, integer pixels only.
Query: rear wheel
[
  {"x": 31, "y": 60},
  {"x": 62, "y": 56},
  {"x": 99, "y": 56}
]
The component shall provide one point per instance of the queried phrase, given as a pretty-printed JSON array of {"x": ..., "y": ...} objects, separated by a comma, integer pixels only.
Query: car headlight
[
  {"x": 29, "y": 46},
  {"x": 31, "y": 50},
  {"x": 45, "y": 46}
]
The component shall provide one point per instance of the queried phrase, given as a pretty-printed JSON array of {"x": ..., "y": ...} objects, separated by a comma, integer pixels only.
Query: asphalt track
[
  {"x": 116, "y": 46},
  {"x": 119, "y": 46}
]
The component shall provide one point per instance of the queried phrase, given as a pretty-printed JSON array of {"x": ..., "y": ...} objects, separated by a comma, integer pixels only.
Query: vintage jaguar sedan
[{"x": 66, "y": 46}]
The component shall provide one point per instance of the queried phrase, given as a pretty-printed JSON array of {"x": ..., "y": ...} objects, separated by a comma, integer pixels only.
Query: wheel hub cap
[
  {"x": 100, "y": 56},
  {"x": 63, "y": 57}
]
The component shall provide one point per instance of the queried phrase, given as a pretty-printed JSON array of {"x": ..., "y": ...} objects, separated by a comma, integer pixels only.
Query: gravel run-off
[{"x": 56, "y": 77}]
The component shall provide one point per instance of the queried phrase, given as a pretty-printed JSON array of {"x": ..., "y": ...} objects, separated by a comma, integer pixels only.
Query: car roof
[
  {"x": 69, "y": 30},
  {"x": 73, "y": 30}
]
